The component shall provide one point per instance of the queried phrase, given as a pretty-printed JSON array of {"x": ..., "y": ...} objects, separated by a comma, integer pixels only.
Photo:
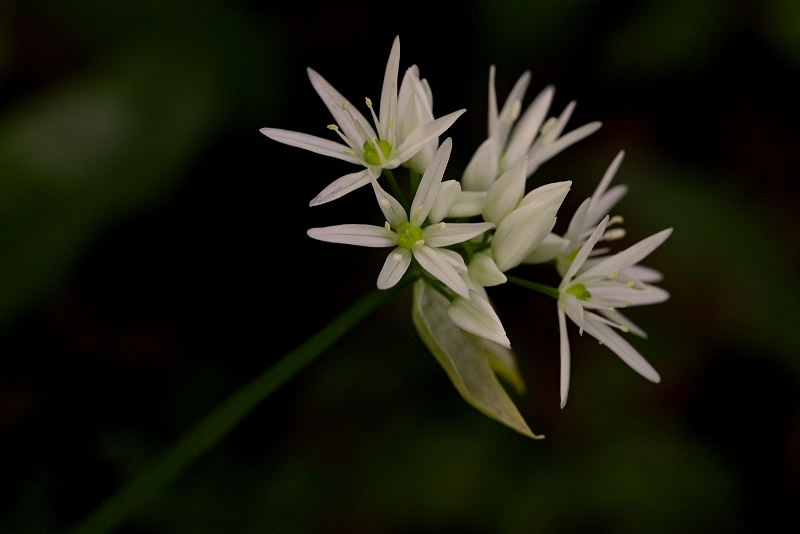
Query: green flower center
[
  {"x": 579, "y": 290},
  {"x": 407, "y": 235},
  {"x": 371, "y": 154}
]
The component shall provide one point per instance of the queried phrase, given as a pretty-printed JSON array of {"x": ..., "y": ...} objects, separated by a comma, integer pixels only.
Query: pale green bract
[{"x": 469, "y": 361}]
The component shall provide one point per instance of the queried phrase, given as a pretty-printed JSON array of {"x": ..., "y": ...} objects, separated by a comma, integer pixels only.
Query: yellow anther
[
  {"x": 626, "y": 303},
  {"x": 391, "y": 122},
  {"x": 419, "y": 243},
  {"x": 333, "y": 127},
  {"x": 611, "y": 308},
  {"x": 616, "y": 219},
  {"x": 397, "y": 257},
  {"x": 349, "y": 152},
  {"x": 387, "y": 226},
  {"x": 385, "y": 203},
  {"x": 600, "y": 343},
  {"x": 369, "y": 103},
  {"x": 548, "y": 125},
  {"x": 623, "y": 328},
  {"x": 418, "y": 209},
  {"x": 344, "y": 105},
  {"x": 511, "y": 113},
  {"x": 613, "y": 275},
  {"x": 629, "y": 285}
]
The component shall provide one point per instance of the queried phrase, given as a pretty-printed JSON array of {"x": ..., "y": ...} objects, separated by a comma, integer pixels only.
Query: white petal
[
  {"x": 389, "y": 92},
  {"x": 394, "y": 267},
  {"x": 493, "y": 115},
  {"x": 621, "y": 320},
  {"x": 418, "y": 116},
  {"x": 448, "y": 192},
  {"x": 333, "y": 101},
  {"x": 583, "y": 253},
  {"x": 505, "y": 193},
  {"x": 607, "y": 177},
  {"x": 642, "y": 274},
  {"x": 455, "y": 260},
  {"x": 365, "y": 235},
  {"x": 468, "y": 204},
  {"x": 528, "y": 125},
  {"x": 478, "y": 317},
  {"x": 453, "y": 233},
  {"x": 550, "y": 248},
  {"x": 438, "y": 265},
  {"x": 622, "y": 348},
  {"x": 573, "y": 308},
  {"x": 392, "y": 209},
  {"x": 541, "y": 153},
  {"x": 514, "y": 100},
  {"x": 425, "y": 134},
  {"x": 630, "y": 256},
  {"x": 483, "y": 271},
  {"x": 342, "y": 186},
  {"x": 312, "y": 143},
  {"x": 481, "y": 171},
  {"x": 429, "y": 186},
  {"x": 565, "y": 357},
  {"x": 577, "y": 224},
  {"x": 603, "y": 206},
  {"x": 546, "y": 195}
]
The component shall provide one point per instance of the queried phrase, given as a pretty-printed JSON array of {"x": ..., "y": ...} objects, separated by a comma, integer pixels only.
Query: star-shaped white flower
[
  {"x": 409, "y": 234},
  {"x": 604, "y": 288},
  {"x": 399, "y": 136},
  {"x": 532, "y": 136}
]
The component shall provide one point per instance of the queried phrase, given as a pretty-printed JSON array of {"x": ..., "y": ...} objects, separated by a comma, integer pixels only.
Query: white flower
[
  {"x": 586, "y": 218},
  {"x": 603, "y": 287},
  {"x": 408, "y": 234},
  {"x": 404, "y": 125},
  {"x": 503, "y": 147}
]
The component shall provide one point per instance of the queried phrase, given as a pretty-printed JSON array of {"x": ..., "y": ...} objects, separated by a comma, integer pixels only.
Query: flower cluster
[{"x": 456, "y": 238}]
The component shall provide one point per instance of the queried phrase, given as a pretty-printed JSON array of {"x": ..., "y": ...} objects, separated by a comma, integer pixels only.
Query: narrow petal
[
  {"x": 493, "y": 115},
  {"x": 643, "y": 274},
  {"x": 468, "y": 204},
  {"x": 565, "y": 359},
  {"x": 510, "y": 112},
  {"x": 603, "y": 206},
  {"x": 478, "y": 317},
  {"x": 394, "y": 267},
  {"x": 392, "y": 209},
  {"x": 429, "y": 186},
  {"x": 578, "y": 222},
  {"x": 541, "y": 153},
  {"x": 630, "y": 256},
  {"x": 388, "y": 108},
  {"x": 573, "y": 308},
  {"x": 453, "y": 233},
  {"x": 352, "y": 122},
  {"x": 484, "y": 271},
  {"x": 505, "y": 193},
  {"x": 364, "y": 235},
  {"x": 448, "y": 192},
  {"x": 583, "y": 254},
  {"x": 438, "y": 265},
  {"x": 607, "y": 177},
  {"x": 404, "y": 94},
  {"x": 425, "y": 134},
  {"x": 312, "y": 143},
  {"x": 621, "y": 320},
  {"x": 481, "y": 170},
  {"x": 455, "y": 260},
  {"x": 528, "y": 125},
  {"x": 342, "y": 186},
  {"x": 622, "y": 348},
  {"x": 550, "y": 248}
]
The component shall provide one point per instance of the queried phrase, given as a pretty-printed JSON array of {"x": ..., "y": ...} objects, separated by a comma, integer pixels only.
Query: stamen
[
  {"x": 369, "y": 102},
  {"x": 391, "y": 122},
  {"x": 349, "y": 152},
  {"x": 600, "y": 342},
  {"x": 611, "y": 308},
  {"x": 629, "y": 284},
  {"x": 547, "y": 130},
  {"x": 387, "y": 226},
  {"x": 616, "y": 219},
  {"x": 333, "y": 127},
  {"x": 626, "y": 303},
  {"x": 344, "y": 105},
  {"x": 614, "y": 234},
  {"x": 623, "y": 328},
  {"x": 385, "y": 203},
  {"x": 397, "y": 257},
  {"x": 419, "y": 209},
  {"x": 613, "y": 275},
  {"x": 419, "y": 243}
]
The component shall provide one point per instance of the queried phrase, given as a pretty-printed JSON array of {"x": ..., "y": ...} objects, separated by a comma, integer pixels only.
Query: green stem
[
  {"x": 398, "y": 194},
  {"x": 547, "y": 290},
  {"x": 415, "y": 179},
  {"x": 217, "y": 424}
]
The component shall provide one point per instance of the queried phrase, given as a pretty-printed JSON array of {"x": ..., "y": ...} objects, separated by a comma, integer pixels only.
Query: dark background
[{"x": 153, "y": 258}]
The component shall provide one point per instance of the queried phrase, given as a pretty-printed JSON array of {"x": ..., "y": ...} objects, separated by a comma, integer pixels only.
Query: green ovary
[
  {"x": 579, "y": 290},
  {"x": 571, "y": 255},
  {"x": 371, "y": 154},
  {"x": 407, "y": 235}
]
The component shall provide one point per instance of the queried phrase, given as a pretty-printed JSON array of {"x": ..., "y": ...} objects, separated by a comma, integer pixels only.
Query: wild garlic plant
[{"x": 457, "y": 238}]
